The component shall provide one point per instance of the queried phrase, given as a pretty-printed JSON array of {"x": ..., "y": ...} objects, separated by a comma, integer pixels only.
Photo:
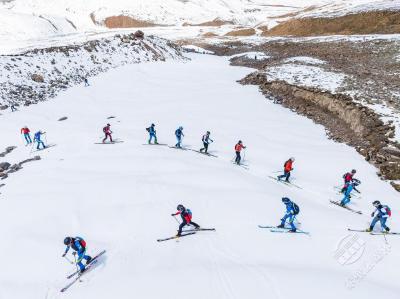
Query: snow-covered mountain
[{"x": 33, "y": 19}]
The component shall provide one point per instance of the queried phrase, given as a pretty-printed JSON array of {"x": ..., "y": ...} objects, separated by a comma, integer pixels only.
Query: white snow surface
[
  {"x": 119, "y": 197},
  {"x": 251, "y": 55},
  {"x": 307, "y": 76}
]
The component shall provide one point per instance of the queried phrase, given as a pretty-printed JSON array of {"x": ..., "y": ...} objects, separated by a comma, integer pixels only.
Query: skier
[
  {"x": 13, "y": 109},
  {"x": 152, "y": 133},
  {"x": 107, "y": 131},
  {"x": 238, "y": 148},
  {"x": 37, "y": 138},
  {"x": 206, "y": 141},
  {"x": 348, "y": 177},
  {"x": 348, "y": 188},
  {"x": 85, "y": 80},
  {"x": 179, "y": 134},
  {"x": 186, "y": 216},
  {"x": 292, "y": 210},
  {"x": 381, "y": 214},
  {"x": 287, "y": 168},
  {"x": 79, "y": 245},
  {"x": 25, "y": 130}
]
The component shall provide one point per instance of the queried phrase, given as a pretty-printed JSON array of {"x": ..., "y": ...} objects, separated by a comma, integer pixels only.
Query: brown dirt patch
[
  {"x": 210, "y": 34},
  {"x": 373, "y": 22},
  {"x": 242, "y": 32},
  {"x": 214, "y": 23},
  {"x": 125, "y": 22}
]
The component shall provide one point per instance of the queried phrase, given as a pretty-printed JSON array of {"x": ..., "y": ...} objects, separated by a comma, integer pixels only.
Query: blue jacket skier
[
  {"x": 37, "y": 138},
  {"x": 79, "y": 247},
  {"x": 381, "y": 214},
  {"x": 292, "y": 210},
  {"x": 152, "y": 134},
  {"x": 206, "y": 141},
  {"x": 179, "y": 134},
  {"x": 348, "y": 188}
]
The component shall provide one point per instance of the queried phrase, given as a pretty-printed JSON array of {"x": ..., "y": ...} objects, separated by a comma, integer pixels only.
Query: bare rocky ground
[
  {"x": 40, "y": 74},
  {"x": 372, "y": 69}
]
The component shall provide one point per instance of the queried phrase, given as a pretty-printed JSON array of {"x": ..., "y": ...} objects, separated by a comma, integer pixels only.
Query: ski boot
[
  {"x": 368, "y": 230},
  {"x": 387, "y": 229},
  {"x": 281, "y": 226},
  {"x": 293, "y": 230},
  {"x": 88, "y": 260}
]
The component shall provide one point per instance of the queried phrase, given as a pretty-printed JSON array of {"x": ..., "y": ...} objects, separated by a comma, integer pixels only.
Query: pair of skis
[
  {"x": 345, "y": 207},
  {"x": 284, "y": 182},
  {"x": 275, "y": 229},
  {"x": 186, "y": 233},
  {"x": 372, "y": 233},
  {"x": 77, "y": 274}
]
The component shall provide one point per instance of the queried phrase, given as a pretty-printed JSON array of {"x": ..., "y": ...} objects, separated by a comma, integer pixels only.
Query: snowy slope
[{"x": 119, "y": 197}]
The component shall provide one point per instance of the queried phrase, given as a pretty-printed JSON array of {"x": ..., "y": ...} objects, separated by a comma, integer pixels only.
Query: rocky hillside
[{"x": 36, "y": 75}]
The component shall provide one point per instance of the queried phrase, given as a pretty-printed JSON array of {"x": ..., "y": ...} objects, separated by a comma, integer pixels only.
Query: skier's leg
[
  {"x": 155, "y": 139},
  {"x": 374, "y": 221},
  {"x": 194, "y": 224},
  {"x": 383, "y": 224},
  {"x": 238, "y": 157},
  {"x": 283, "y": 221},
  {"x": 110, "y": 137},
  {"x": 79, "y": 261},
  {"x": 205, "y": 147},
  {"x": 287, "y": 176},
  {"x": 180, "y": 228},
  {"x": 291, "y": 220}
]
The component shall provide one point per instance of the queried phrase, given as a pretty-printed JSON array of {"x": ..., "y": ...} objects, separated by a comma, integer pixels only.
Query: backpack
[
  {"x": 296, "y": 208},
  {"x": 388, "y": 211},
  {"x": 148, "y": 129}
]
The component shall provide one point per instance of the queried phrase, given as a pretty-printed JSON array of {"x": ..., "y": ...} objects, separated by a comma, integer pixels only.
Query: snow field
[{"x": 119, "y": 197}]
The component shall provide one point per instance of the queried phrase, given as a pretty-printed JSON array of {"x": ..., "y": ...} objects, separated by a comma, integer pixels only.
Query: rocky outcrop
[
  {"x": 372, "y": 22},
  {"x": 125, "y": 22},
  {"x": 8, "y": 150},
  {"x": 7, "y": 168},
  {"x": 345, "y": 120},
  {"x": 37, "y": 75},
  {"x": 242, "y": 32}
]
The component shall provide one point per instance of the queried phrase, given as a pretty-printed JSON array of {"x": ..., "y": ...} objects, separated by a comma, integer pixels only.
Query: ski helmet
[
  {"x": 153, "y": 125},
  {"x": 285, "y": 200},
  {"x": 292, "y": 158},
  {"x": 108, "y": 125},
  {"x": 376, "y": 203},
  {"x": 67, "y": 240},
  {"x": 240, "y": 141},
  {"x": 180, "y": 128},
  {"x": 353, "y": 171},
  {"x": 208, "y": 132},
  {"x": 180, "y": 207}
]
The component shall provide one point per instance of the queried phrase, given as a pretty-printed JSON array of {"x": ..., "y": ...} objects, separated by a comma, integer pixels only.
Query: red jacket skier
[
  {"x": 186, "y": 216},
  {"x": 287, "y": 168},
  {"x": 107, "y": 131}
]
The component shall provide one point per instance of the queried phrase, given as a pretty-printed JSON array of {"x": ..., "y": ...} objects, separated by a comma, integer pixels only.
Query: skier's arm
[
  {"x": 66, "y": 250},
  {"x": 176, "y": 214}
]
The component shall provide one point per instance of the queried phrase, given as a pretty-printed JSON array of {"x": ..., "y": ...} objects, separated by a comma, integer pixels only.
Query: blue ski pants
[
  {"x": 290, "y": 218},
  {"x": 382, "y": 220}
]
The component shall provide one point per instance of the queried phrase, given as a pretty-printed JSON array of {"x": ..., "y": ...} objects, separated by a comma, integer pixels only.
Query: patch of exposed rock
[
  {"x": 39, "y": 74},
  {"x": 345, "y": 121}
]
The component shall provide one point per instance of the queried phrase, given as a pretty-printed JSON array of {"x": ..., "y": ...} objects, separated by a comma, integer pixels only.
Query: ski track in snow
[{"x": 119, "y": 197}]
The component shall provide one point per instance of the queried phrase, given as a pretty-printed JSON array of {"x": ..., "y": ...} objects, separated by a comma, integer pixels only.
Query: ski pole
[
  {"x": 69, "y": 261},
  {"x": 176, "y": 220},
  {"x": 244, "y": 155}
]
